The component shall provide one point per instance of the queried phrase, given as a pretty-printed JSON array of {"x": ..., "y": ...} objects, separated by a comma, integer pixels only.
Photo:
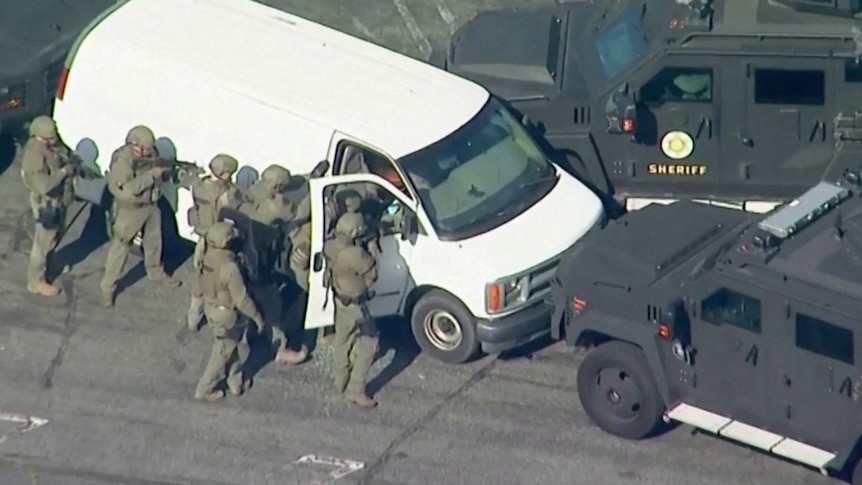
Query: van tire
[
  {"x": 444, "y": 328},
  {"x": 628, "y": 405}
]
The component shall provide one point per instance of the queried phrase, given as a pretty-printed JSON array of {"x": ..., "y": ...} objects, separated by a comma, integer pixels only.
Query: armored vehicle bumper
[{"x": 522, "y": 327}]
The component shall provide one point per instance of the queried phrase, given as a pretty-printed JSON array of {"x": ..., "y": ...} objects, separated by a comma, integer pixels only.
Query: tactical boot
[
  {"x": 361, "y": 399},
  {"x": 242, "y": 389},
  {"x": 166, "y": 280},
  {"x": 211, "y": 397},
  {"x": 43, "y": 288},
  {"x": 291, "y": 357}
]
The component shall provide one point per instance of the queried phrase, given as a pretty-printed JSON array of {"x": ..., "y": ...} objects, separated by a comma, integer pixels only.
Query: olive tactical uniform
[
  {"x": 136, "y": 194},
  {"x": 225, "y": 296},
  {"x": 210, "y": 194},
  {"x": 352, "y": 271},
  {"x": 270, "y": 207},
  {"x": 51, "y": 192}
]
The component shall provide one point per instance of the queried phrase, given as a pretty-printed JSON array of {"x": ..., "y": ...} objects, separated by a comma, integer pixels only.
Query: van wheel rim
[{"x": 443, "y": 330}]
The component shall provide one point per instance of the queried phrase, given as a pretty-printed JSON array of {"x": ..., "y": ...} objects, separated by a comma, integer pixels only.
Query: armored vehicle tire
[
  {"x": 856, "y": 477},
  {"x": 618, "y": 392},
  {"x": 444, "y": 328}
]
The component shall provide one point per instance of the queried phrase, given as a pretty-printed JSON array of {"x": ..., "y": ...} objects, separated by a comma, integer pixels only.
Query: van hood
[{"x": 540, "y": 233}]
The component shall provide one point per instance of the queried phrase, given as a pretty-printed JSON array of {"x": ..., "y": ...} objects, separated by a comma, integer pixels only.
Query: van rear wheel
[{"x": 444, "y": 328}]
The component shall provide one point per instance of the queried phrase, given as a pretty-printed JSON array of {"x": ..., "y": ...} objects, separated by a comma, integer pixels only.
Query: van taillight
[{"x": 61, "y": 83}]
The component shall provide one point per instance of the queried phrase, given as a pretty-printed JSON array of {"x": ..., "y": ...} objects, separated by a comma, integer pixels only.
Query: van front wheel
[{"x": 444, "y": 328}]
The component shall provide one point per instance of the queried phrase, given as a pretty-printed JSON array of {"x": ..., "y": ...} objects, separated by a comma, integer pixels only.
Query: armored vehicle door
[
  {"x": 677, "y": 148},
  {"x": 816, "y": 377},
  {"x": 776, "y": 113},
  {"x": 728, "y": 355}
]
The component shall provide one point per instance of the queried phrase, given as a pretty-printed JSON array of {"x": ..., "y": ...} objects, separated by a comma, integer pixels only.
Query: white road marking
[
  {"x": 28, "y": 423},
  {"x": 342, "y": 467},
  {"x": 364, "y": 30},
  {"x": 413, "y": 27},
  {"x": 445, "y": 14}
]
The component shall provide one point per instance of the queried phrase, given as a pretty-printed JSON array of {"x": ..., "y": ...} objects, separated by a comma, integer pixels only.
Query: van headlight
[{"x": 506, "y": 293}]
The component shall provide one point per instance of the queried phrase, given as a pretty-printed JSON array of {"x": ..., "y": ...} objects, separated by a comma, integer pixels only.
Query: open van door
[{"x": 393, "y": 272}]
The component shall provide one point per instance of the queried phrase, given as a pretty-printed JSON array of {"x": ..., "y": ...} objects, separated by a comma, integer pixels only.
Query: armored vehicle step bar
[{"x": 752, "y": 436}]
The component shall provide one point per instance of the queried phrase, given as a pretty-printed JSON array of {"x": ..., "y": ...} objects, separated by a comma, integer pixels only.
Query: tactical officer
[
  {"x": 210, "y": 194},
  {"x": 50, "y": 184},
  {"x": 136, "y": 194},
  {"x": 352, "y": 271},
  {"x": 271, "y": 208},
  {"x": 225, "y": 295},
  {"x": 300, "y": 237}
]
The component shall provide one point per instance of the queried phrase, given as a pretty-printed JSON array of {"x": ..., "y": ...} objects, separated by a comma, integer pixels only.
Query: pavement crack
[
  {"x": 69, "y": 329},
  {"x": 368, "y": 478}
]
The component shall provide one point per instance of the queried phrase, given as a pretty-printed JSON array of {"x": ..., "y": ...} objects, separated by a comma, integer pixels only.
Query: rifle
[
  {"x": 174, "y": 167},
  {"x": 82, "y": 169}
]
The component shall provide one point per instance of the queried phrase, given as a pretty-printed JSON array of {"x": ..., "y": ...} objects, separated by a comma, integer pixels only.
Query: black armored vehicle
[
  {"x": 740, "y": 324},
  {"x": 34, "y": 39},
  {"x": 728, "y": 100}
]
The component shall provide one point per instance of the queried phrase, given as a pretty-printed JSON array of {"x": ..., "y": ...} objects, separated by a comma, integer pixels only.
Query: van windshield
[{"x": 483, "y": 175}]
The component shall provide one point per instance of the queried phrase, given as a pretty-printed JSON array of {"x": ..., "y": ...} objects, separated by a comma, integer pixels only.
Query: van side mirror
[{"x": 409, "y": 227}]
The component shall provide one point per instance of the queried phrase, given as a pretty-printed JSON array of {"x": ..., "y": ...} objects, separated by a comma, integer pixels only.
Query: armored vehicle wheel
[
  {"x": 618, "y": 392},
  {"x": 856, "y": 478},
  {"x": 444, "y": 328}
]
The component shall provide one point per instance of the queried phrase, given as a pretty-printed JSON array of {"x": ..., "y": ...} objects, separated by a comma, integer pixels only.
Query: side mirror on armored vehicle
[
  {"x": 409, "y": 227},
  {"x": 621, "y": 113},
  {"x": 674, "y": 323}
]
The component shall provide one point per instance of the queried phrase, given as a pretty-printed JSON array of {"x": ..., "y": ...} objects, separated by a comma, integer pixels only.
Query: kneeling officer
[
  {"x": 352, "y": 272},
  {"x": 225, "y": 295}
]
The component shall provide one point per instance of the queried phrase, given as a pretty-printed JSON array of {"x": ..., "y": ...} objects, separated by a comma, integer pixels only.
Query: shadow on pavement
[
  {"x": 527, "y": 351},
  {"x": 395, "y": 335}
]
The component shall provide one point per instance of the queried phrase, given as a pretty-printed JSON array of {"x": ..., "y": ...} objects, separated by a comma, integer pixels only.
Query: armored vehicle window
[
  {"x": 815, "y": 335},
  {"x": 786, "y": 86},
  {"x": 621, "y": 45},
  {"x": 728, "y": 306},
  {"x": 679, "y": 84}
]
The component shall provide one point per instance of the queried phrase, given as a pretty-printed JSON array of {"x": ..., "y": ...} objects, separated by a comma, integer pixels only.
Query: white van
[{"x": 486, "y": 215}]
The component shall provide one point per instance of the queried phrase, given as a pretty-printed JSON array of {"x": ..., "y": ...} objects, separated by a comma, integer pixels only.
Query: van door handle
[{"x": 785, "y": 379}]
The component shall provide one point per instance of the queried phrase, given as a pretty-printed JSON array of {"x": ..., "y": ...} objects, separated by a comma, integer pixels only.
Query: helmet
[
  {"x": 351, "y": 224},
  {"x": 221, "y": 234},
  {"x": 43, "y": 127},
  {"x": 141, "y": 136},
  {"x": 223, "y": 164},
  {"x": 276, "y": 175}
]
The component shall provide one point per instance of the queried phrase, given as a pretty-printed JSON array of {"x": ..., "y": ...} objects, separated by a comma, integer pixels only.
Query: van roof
[{"x": 390, "y": 101}]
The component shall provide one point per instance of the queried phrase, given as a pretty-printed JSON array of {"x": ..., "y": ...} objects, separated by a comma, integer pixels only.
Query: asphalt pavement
[{"x": 95, "y": 396}]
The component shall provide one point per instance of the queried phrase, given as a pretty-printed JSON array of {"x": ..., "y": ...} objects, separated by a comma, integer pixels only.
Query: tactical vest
[
  {"x": 205, "y": 208},
  {"x": 346, "y": 282},
  {"x": 213, "y": 290},
  {"x": 51, "y": 162},
  {"x": 148, "y": 197}
]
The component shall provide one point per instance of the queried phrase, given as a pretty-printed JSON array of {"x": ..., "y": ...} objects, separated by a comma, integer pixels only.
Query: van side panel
[{"x": 225, "y": 121}]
